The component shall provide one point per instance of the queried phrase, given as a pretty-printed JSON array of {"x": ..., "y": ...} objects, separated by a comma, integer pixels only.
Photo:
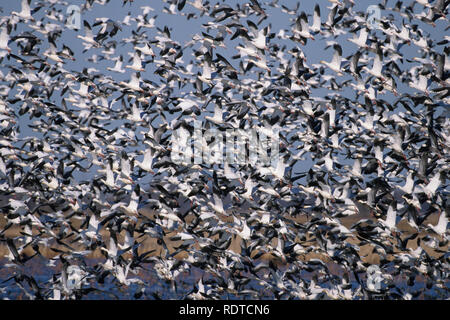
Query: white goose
[
  {"x": 229, "y": 174},
  {"x": 433, "y": 185},
  {"x": 245, "y": 233},
  {"x": 137, "y": 63},
  {"x": 136, "y": 114},
  {"x": 317, "y": 24},
  {"x": 118, "y": 65},
  {"x": 249, "y": 185},
  {"x": 82, "y": 91},
  {"x": 132, "y": 208},
  {"x": 52, "y": 54},
  {"x": 391, "y": 218},
  {"x": 147, "y": 163},
  {"x": 146, "y": 49},
  {"x": 197, "y": 4},
  {"x": 259, "y": 41},
  {"x": 420, "y": 83},
  {"x": 134, "y": 83},
  {"x": 125, "y": 169},
  {"x": 269, "y": 190},
  {"x": 441, "y": 227},
  {"x": 361, "y": 41},
  {"x": 207, "y": 73},
  {"x": 377, "y": 66},
  {"x": 25, "y": 13},
  {"x": 4, "y": 40},
  {"x": 278, "y": 172},
  {"x": 248, "y": 49},
  {"x": 356, "y": 168},
  {"x": 261, "y": 62},
  {"x": 336, "y": 61},
  {"x": 110, "y": 181},
  {"x": 92, "y": 231},
  {"x": 404, "y": 34},
  {"x": 218, "y": 115},
  {"x": 88, "y": 37},
  {"x": 217, "y": 205},
  {"x": 302, "y": 27}
]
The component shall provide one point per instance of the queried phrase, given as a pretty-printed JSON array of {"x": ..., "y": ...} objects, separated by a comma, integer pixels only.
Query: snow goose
[
  {"x": 302, "y": 27},
  {"x": 137, "y": 63},
  {"x": 25, "y": 13},
  {"x": 361, "y": 41},
  {"x": 441, "y": 227},
  {"x": 218, "y": 115},
  {"x": 118, "y": 65},
  {"x": 146, "y": 164},
  {"x": 336, "y": 61},
  {"x": 88, "y": 37},
  {"x": 4, "y": 39},
  {"x": 317, "y": 24},
  {"x": 377, "y": 66},
  {"x": 132, "y": 208},
  {"x": 134, "y": 83}
]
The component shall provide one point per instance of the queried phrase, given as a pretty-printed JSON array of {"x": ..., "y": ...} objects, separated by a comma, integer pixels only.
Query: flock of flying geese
[{"x": 86, "y": 166}]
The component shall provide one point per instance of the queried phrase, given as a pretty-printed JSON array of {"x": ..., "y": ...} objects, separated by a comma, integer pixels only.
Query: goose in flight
[
  {"x": 118, "y": 65},
  {"x": 441, "y": 227},
  {"x": 336, "y": 61},
  {"x": 207, "y": 75},
  {"x": 4, "y": 40},
  {"x": 125, "y": 169},
  {"x": 110, "y": 182},
  {"x": 279, "y": 170},
  {"x": 434, "y": 183},
  {"x": 229, "y": 174},
  {"x": 218, "y": 115},
  {"x": 146, "y": 49},
  {"x": 420, "y": 83},
  {"x": 302, "y": 28},
  {"x": 361, "y": 41},
  {"x": 391, "y": 218},
  {"x": 52, "y": 54},
  {"x": 248, "y": 50},
  {"x": 137, "y": 63},
  {"x": 132, "y": 208},
  {"x": 217, "y": 205},
  {"x": 25, "y": 13},
  {"x": 147, "y": 163},
  {"x": 259, "y": 36},
  {"x": 377, "y": 66},
  {"x": 134, "y": 83},
  {"x": 317, "y": 23},
  {"x": 88, "y": 38},
  {"x": 144, "y": 22},
  {"x": 260, "y": 62},
  {"x": 248, "y": 186},
  {"x": 109, "y": 28}
]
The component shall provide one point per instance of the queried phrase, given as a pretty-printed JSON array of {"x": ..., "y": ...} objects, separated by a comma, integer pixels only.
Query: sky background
[{"x": 183, "y": 30}]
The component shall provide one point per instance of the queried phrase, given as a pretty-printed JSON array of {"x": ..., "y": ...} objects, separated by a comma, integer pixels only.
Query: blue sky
[{"x": 183, "y": 30}]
